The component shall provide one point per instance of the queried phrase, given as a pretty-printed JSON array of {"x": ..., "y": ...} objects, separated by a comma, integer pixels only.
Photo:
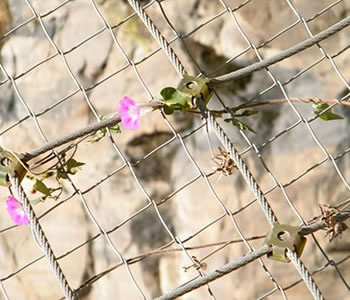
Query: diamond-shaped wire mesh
[{"x": 150, "y": 211}]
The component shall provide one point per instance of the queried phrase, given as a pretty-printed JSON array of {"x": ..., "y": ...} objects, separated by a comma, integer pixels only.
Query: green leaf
[
  {"x": 167, "y": 110},
  {"x": 73, "y": 166},
  {"x": 239, "y": 124},
  {"x": 61, "y": 174},
  {"x": 51, "y": 195},
  {"x": 99, "y": 135},
  {"x": 72, "y": 163},
  {"x": 167, "y": 93},
  {"x": 328, "y": 115},
  {"x": 47, "y": 174},
  {"x": 30, "y": 177},
  {"x": 42, "y": 188},
  {"x": 176, "y": 100},
  {"x": 115, "y": 129},
  {"x": 247, "y": 113}
]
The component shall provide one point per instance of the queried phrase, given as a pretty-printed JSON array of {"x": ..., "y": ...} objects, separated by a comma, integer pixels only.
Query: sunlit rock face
[{"x": 70, "y": 90}]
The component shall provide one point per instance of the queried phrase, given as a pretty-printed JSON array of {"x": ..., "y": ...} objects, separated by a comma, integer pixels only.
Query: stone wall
[{"x": 165, "y": 171}]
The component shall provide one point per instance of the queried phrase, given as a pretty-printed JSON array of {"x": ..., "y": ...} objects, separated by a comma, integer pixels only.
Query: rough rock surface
[{"x": 100, "y": 66}]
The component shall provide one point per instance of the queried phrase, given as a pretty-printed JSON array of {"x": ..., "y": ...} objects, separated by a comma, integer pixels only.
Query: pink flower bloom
[
  {"x": 129, "y": 113},
  {"x": 16, "y": 211}
]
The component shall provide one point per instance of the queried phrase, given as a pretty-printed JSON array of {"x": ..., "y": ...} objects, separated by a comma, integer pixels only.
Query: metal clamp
[
  {"x": 282, "y": 237},
  {"x": 195, "y": 87},
  {"x": 10, "y": 165}
]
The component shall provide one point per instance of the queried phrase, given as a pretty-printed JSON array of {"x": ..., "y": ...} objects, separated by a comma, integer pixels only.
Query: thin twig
[
  {"x": 298, "y": 100},
  {"x": 339, "y": 217},
  {"x": 140, "y": 257},
  {"x": 217, "y": 273},
  {"x": 281, "y": 101}
]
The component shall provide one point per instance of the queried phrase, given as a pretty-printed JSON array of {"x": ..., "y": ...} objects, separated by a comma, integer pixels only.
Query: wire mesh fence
[{"x": 188, "y": 198}]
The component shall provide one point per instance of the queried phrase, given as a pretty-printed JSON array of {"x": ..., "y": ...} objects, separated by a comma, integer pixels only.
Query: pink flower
[
  {"x": 129, "y": 113},
  {"x": 16, "y": 211}
]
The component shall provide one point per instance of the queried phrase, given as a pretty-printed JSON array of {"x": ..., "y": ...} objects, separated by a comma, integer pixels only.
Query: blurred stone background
[{"x": 119, "y": 197}]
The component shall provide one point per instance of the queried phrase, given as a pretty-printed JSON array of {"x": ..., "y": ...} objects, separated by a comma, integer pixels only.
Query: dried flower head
[
  {"x": 198, "y": 265},
  {"x": 333, "y": 227},
  {"x": 224, "y": 163}
]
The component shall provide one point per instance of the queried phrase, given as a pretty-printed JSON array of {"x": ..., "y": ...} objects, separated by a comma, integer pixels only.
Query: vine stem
[
  {"x": 297, "y": 100},
  {"x": 114, "y": 120},
  {"x": 88, "y": 130},
  {"x": 280, "y": 101}
]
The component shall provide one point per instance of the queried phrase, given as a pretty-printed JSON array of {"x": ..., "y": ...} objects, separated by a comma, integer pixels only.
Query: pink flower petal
[
  {"x": 130, "y": 113},
  {"x": 16, "y": 211}
]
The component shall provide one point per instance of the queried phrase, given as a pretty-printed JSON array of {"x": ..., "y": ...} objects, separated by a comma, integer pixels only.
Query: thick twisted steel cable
[
  {"x": 92, "y": 128},
  {"x": 219, "y": 272},
  {"x": 247, "y": 175},
  {"x": 40, "y": 237},
  {"x": 249, "y": 257},
  {"x": 217, "y": 129},
  {"x": 283, "y": 54},
  {"x": 158, "y": 36},
  {"x": 305, "y": 274}
]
